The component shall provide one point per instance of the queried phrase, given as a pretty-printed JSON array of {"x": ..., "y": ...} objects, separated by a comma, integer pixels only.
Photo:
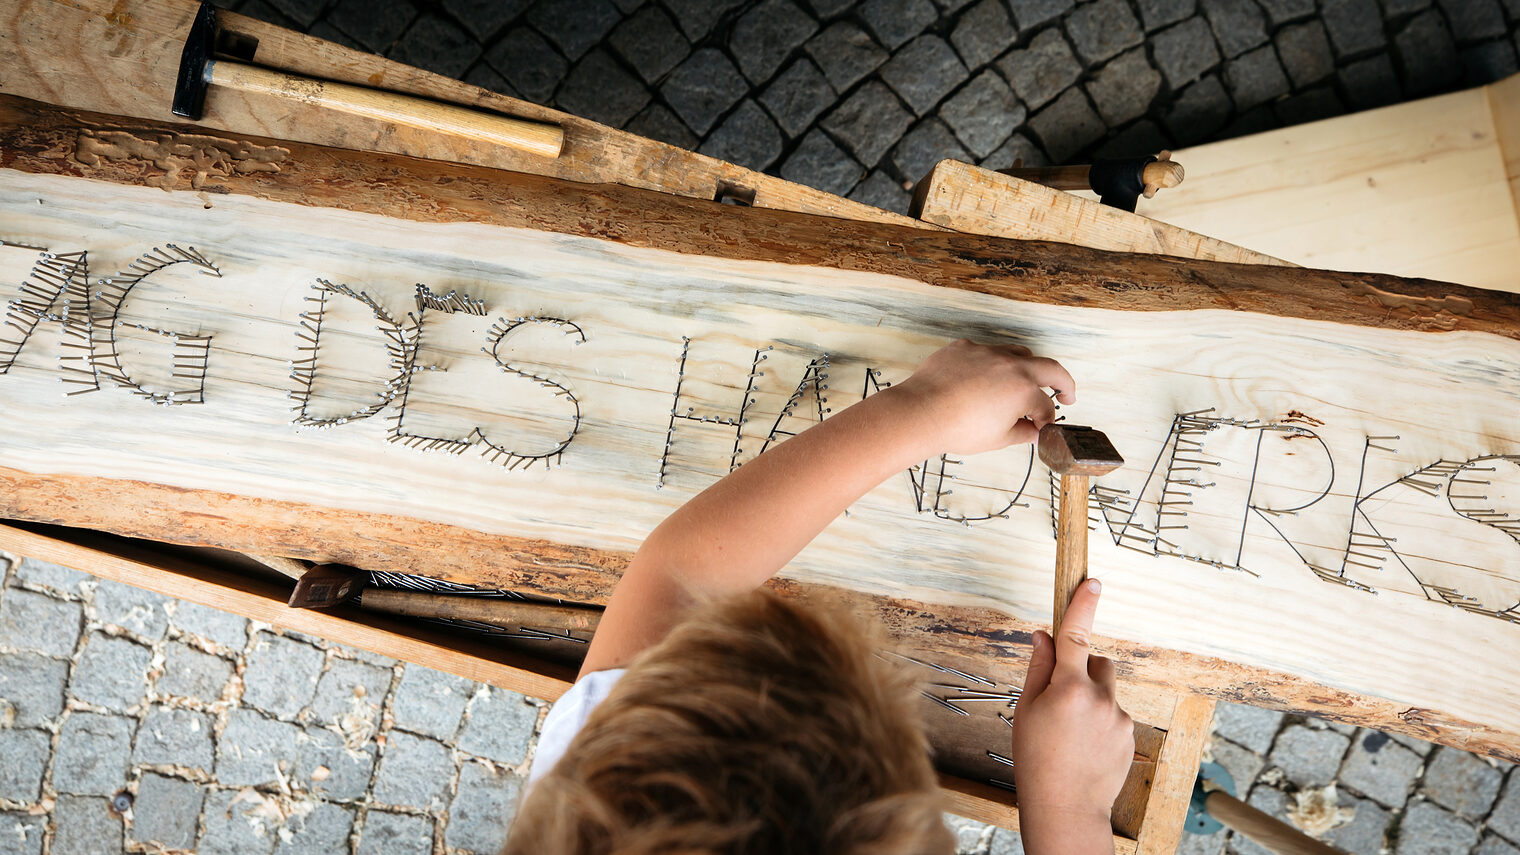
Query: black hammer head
[{"x": 190, "y": 86}]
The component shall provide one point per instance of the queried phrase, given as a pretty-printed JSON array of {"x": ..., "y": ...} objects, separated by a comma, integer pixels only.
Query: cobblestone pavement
[
  {"x": 861, "y": 98},
  {"x": 230, "y": 738}
]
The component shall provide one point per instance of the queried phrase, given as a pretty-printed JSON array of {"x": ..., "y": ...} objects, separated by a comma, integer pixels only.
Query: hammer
[
  {"x": 1075, "y": 453},
  {"x": 198, "y": 70},
  {"x": 1119, "y": 182}
]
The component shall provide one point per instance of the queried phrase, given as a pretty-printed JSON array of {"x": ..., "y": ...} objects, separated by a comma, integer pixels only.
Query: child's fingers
[
  {"x": 1042, "y": 410},
  {"x": 1072, "y": 641},
  {"x": 1042, "y": 663},
  {"x": 1101, "y": 670},
  {"x": 1022, "y": 431},
  {"x": 1050, "y": 373}
]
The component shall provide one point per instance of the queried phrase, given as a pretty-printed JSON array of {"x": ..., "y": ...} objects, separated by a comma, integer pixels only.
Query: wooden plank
[
  {"x": 201, "y": 582},
  {"x": 969, "y": 198},
  {"x": 1416, "y": 189},
  {"x": 647, "y": 270},
  {"x": 1172, "y": 787},
  {"x": 121, "y": 56},
  {"x": 1504, "y": 104}
]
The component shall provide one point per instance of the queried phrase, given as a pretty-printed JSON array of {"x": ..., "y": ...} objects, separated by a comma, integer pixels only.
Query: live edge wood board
[{"x": 1318, "y": 513}]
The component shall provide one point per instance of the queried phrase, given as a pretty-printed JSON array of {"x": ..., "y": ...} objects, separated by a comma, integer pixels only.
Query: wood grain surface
[{"x": 1323, "y": 360}]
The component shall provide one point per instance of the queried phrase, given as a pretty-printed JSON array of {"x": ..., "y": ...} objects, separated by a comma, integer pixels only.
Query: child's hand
[
  {"x": 979, "y": 397},
  {"x": 1072, "y": 744}
]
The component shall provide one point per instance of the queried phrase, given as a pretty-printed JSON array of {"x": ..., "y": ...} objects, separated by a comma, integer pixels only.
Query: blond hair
[{"x": 757, "y": 726}]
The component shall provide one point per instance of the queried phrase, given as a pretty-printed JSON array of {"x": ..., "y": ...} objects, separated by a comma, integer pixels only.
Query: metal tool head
[
  {"x": 326, "y": 585},
  {"x": 1077, "y": 450},
  {"x": 190, "y": 86}
]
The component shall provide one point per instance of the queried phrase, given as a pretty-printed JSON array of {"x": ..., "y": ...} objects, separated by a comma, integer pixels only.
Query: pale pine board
[
  {"x": 1416, "y": 189},
  {"x": 1455, "y": 395}
]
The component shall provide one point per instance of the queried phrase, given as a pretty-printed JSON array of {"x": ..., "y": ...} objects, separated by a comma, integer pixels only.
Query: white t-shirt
[{"x": 568, "y": 716}]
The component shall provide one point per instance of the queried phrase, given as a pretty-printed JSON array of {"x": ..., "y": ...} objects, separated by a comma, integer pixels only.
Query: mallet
[
  {"x": 198, "y": 70},
  {"x": 1075, "y": 453}
]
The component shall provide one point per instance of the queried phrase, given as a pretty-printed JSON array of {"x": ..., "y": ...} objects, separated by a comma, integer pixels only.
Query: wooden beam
[
  {"x": 1151, "y": 337},
  {"x": 120, "y": 56},
  {"x": 1172, "y": 787},
  {"x": 969, "y": 198}
]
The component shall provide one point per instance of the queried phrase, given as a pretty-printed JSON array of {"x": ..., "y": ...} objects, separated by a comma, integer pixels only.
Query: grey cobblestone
[
  {"x": 1280, "y": 12},
  {"x": 1242, "y": 764},
  {"x": 1370, "y": 82},
  {"x": 747, "y": 137},
  {"x": 869, "y": 121},
  {"x": 33, "y": 621},
  {"x": 846, "y": 54},
  {"x": 982, "y": 32},
  {"x": 1305, "y": 53},
  {"x": 31, "y": 688},
  {"x": 215, "y": 625},
  {"x": 430, "y": 702},
  {"x": 1005, "y": 842},
  {"x": 1505, "y": 817},
  {"x": 112, "y": 673},
  {"x": 329, "y": 767},
  {"x": 229, "y": 830},
  {"x": 896, "y": 21},
  {"x": 1238, "y": 24},
  {"x": 165, "y": 812},
  {"x": 697, "y": 17},
  {"x": 49, "y": 575},
  {"x": 350, "y": 688},
  {"x": 375, "y": 26},
  {"x": 574, "y": 26},
  {"x": 529, "y": 63},
  {"x": 499, "y": 726},
  {"x": 414, "y": 773},
  {"x": 1041, "y": 71},
  {"x": 84, "y": 825},
  {"x": 92, "y": 755},
  {"x": 923, "y": 72},
  {"x": 1124, "y": 88},
  {"x": 657, "y": 123},
  {"x": 984, "y": 113},
  {"x": 25, "y": 754},
  {"x": 1185, "y": 52},
  {"x": 1380, "y": 769},
  {"x": 883, "y": 191},
  {"x": 1028, "y": 14},
  {"x": 1473, "y": 20},
  {"x": 387, "y": 833},
  {"x": 1308, "y": 757},
  {"x": 766, "y": 35},
  {"x": 1429, "y": 830},
  {"x": 798, "y": 96},
  {"x": 599, "y": 89},
  {"x": 325, "y": 829},
  {"x": 1018, "y": 149},
  {"x": 1366, "y": 833},
  {"x": 1494, "y": 845},
  {"x": 172, "y": 736},
  {"x": 1427, "y": 54},
  {"x": 1253, "y": 727},
  {"x": 1461, "y": 783},
  {"x": 1255, "y": 78},
  {"x": 1355, "y": 26},
  {"x": 650, "y": 42},
  {"x": 281, "y": 676},
  {"x": 1489, "y": 62},
  {"x": 1155, "y": 14},
  {"x": 484, "y": 18},
  {"x": 1102, "y": 29},
  {"x": 923, "y": 147},
  {"x": 437, "y": 43},
  {"x": 703, "y": 88},
  {"x": 818, "y": 162},
  {"x": 21, "y": 834},
  {"x": 1066, "y": 126},
  {"x": 254, "y": 751},
  {"x": 482, "y": 809},
  {"x": 190, "y": 673},
  {"x": 1310, "y": 106}
]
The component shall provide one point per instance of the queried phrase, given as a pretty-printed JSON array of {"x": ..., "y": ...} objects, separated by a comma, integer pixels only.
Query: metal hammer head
[
  {"x": 1077, "y": 450},
  {"x": 190, "y": 86}
]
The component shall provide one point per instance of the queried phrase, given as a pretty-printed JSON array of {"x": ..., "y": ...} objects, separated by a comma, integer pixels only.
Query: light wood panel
[
  {"x": 1426, "y": 188},
  {"x": 1146, "y": 336},
  {"x": 969, "y": 198},
  {"x": 121, "y": 57}
]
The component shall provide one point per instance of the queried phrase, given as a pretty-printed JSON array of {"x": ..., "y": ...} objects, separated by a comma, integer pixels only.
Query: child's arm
[
  {"x": 739, "y": 532},
  {"x": 1072, "y": 744}
]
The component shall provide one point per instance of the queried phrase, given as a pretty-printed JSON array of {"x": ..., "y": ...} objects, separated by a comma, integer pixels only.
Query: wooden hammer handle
[
  {"x": 502, "y": 612},
  {"x": 1071, "y": 545},
  {"x": 1266, "y": 830},
  {"x": 535, "y": 137}
]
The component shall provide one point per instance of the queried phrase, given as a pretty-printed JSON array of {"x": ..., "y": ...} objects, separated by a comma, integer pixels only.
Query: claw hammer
[{"x": 1076, "y": 453}]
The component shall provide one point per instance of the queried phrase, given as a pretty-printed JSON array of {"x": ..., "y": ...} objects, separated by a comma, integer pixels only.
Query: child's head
[{"x": 756, "y": 726}]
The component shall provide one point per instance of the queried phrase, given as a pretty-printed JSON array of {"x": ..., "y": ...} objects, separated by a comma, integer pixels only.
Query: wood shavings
[{"x": 1317, "y": 810}]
